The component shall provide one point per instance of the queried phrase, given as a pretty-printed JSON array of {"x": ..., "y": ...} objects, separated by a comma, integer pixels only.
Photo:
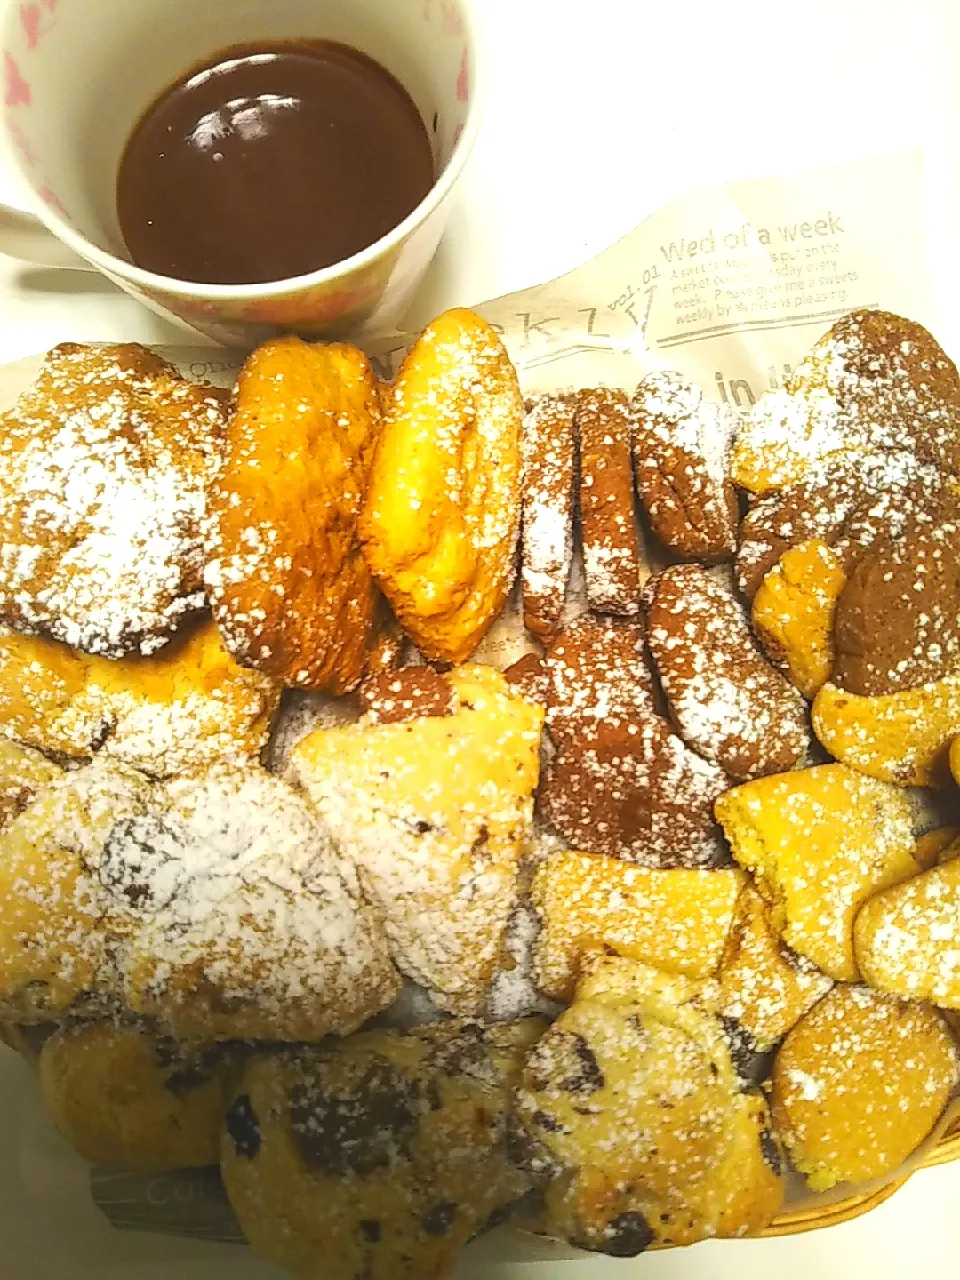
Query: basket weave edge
[{"x": 813, "y": 1219}]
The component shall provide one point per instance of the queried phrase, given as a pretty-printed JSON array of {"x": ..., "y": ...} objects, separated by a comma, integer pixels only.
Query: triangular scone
[
  {"x": 436, "y": 813},
  {"x": 820, "y": 842}
]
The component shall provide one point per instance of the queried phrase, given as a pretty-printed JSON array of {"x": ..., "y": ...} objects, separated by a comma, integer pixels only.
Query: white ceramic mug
[{"x": 77, "y": 75}]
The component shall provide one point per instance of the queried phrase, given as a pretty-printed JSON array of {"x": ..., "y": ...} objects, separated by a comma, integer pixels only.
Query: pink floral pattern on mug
[{"x": 16, "y": 90}]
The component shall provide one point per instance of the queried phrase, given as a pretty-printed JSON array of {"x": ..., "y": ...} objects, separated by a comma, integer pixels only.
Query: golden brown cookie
[
  {"x": 549, "y": 448},
  {"x": 898, "y": 737},
  {"x": 442, "y": 512},
  {"x": 859, "y": 1083},
  {"x": 764, "y": 986},
  {"x": 907, "y": 938},
  {"x": 635, "y": 791},
  {"x": 678, "y": 920},
  {"x": 104, "y": 466},
  {"x": 54, "y": 915},
  {"x": 793, "y": 611},
  {"x": 681, "y": 448},
  {"x": 436, "y": 814},
  {"x": 596, "y": 676},
  {"x": 630, "y": 1104},
  {"x": 289, "y": 585},
  {"x": 725, "y": 698},
  {"x": 820, "y": 842},
  {"x": 123, "y": 1097},
  {"x": 169, "y": 712},
  {"x": 608, "y": 528}
]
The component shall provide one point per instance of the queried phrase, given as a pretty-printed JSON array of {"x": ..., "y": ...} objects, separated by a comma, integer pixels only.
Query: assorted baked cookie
[
  {"x": 820, "y": 842},
  {"x": 681, "y": 447},
  {"x": 309, "y": 812},
  {"x": 105, "y": 464},
  {"x": 677, "y": 921},
  {"x": 632, "y": 1111},
  {"x": 379, "y": 1156},
  {"x": 726, "y": 699},
  {"x": 608, "y": 528},
  {"x": 436, "y": 814},
  {"x": 793, "y": 613},
  {"x": 181, "y": 709},
  {"x": 213, "y": 903},
  {"x": 289, "y": 584},
  {"x": 442, "y": 511},
  {"x": 907, "y": 938},
  {"x": 859, "y": 1083}
]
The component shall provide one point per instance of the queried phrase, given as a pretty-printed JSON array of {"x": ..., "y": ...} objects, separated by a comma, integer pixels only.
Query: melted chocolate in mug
[{"x": 270, "y": 161}]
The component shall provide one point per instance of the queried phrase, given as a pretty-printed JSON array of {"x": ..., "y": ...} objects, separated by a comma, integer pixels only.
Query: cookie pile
[{"x": 681, "y": 884}]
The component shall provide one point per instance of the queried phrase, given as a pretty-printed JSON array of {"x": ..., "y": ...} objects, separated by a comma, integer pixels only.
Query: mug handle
[{"x": 25, "y": 237}]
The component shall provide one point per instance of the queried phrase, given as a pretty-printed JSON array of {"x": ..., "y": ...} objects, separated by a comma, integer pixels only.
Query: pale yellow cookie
[
  {"x": 632, "y": 1101},
  {"x": 907, "y": 938},
  {"x": 859, "y": 1083},
  {"x": 676, "y": 920},
  {"x": 899, "y": 737},
  {"x": 820, "y": 841},
  {"x": 764, "y": 986},
  {"x": 793, "y": 613}
]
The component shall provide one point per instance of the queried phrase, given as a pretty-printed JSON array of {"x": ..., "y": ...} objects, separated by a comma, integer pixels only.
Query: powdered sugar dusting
[{"x": 103, "y": 470}]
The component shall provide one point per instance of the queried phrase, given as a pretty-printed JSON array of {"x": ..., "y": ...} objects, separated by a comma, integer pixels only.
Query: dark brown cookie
[
  {"x": 547, "y": 510},
  {"x": 725, "y": 698},
  {"x": 634, "y": 790},
  {"x": 896, "y": 624},
  {"x": 411, "y": 693},
  {"x": 597, "y": 674},
  {"x": 608, "y": 528},
  {"x": 681, "y": 448}
]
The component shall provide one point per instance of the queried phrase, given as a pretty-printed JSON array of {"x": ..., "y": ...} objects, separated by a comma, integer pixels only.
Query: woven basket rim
[{"x": 812, "y": 1218}]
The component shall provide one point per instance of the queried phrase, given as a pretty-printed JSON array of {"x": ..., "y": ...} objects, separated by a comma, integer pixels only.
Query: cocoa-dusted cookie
[
  {"x": 636, "y": 791},
  {"x": 895, "y": 382},
  {"x": 547, "y": 510},
  {"x": 608, "y": 529},
  {"x": 726, "y": 699},
  {"x": 407, "y": 694},
  {"x": 897, "y": 623},
  {"x": 681, "y": 448},
  {"x": 596, "y": 674}
]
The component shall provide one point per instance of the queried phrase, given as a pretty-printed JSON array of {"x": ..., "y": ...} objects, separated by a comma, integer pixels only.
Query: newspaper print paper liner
[{"x": 731, "y": 287}]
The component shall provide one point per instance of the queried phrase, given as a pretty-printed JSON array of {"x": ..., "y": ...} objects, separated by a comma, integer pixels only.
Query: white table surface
[{"x": 598, "y": 113}]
